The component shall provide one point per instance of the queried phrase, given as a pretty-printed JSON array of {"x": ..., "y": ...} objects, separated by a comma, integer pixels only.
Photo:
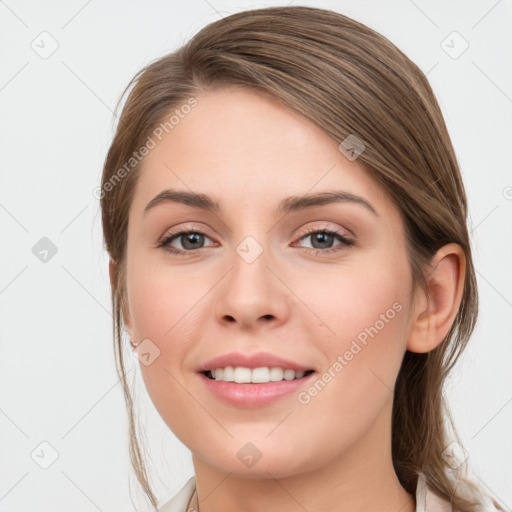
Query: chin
[{"x": 253, "y": 460}]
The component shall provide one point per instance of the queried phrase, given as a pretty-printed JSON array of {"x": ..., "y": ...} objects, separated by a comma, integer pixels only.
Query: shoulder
[
  {"x": 180, "y": 501},
  {"x": 428, "y": 501}
]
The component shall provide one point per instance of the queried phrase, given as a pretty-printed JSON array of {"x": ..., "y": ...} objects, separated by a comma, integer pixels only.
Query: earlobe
[
  {"x": 125, "y": 310},
  {"x": 435, "y": 311}
]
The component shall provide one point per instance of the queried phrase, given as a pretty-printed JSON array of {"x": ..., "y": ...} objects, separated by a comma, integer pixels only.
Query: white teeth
[
  {"x": 241, "y": 374},
  {"x": 276, "y": 374},
  {"x": 260, "y": 375},
  {"x": 228, "y": 374},
  {"x": 289, "y": 374}
]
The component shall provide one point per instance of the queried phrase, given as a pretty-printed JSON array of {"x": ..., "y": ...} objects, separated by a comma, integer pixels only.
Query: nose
[{"x": 252, "y": 295}]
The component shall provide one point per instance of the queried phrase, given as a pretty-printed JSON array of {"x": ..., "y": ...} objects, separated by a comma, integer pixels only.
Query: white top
[{"x": 426, "y": 500}]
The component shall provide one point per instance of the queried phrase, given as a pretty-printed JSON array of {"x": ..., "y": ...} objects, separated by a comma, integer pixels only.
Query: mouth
[
  {"x": 247, "y": 380},
  {"x": 248, "y": 388}
]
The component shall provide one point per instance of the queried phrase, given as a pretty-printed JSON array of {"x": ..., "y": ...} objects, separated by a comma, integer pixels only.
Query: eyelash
[{"x": 342, "y": 238}]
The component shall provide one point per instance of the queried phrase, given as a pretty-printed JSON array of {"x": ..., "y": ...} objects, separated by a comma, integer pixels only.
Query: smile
[{"x": 248, "y": 393}]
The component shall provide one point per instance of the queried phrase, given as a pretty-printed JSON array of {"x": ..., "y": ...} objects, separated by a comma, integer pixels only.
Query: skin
[{"x": 294, "y": 301}]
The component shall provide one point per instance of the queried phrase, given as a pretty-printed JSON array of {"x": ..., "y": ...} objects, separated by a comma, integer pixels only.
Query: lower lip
[{"x": 252, "y": 395}]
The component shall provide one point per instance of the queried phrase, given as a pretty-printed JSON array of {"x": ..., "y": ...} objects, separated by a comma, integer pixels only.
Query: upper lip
[{"x": 256, "y": 360}]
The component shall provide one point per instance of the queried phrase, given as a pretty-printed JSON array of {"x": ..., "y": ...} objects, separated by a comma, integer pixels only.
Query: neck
[{"x": 359, "y": 479}]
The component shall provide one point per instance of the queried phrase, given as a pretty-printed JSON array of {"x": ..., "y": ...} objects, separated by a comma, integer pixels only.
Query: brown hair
[{"x": 349, "y": 80}]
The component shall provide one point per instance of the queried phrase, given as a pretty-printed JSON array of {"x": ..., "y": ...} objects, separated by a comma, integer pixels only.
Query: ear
[
  {"x": 125, "y": 309},
  {"x": 434, "y": 311}
]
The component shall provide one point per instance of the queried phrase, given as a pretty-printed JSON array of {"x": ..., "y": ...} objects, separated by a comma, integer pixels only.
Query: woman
[{"x": 286, "y": 223}]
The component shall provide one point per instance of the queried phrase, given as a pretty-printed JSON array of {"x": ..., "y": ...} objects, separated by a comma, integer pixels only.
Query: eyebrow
[{"x": 287, "y": 205}]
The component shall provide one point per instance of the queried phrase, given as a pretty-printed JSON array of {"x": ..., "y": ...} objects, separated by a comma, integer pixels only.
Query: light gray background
[{"x": 57, "y": 378}]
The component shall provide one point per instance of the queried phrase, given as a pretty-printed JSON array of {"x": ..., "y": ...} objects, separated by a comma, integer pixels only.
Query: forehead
[{"x": 240, "y": 144}]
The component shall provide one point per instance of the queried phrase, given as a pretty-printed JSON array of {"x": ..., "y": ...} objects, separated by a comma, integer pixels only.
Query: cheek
[
  {"x": 166, "y": 307},
  {"x": 359, "y": 295},
  {"x": 163, "y": 300},
  {"x": 366, "y": 310}
]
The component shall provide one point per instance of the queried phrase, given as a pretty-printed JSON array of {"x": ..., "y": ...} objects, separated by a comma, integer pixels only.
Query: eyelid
[
  {"x": 327, "y": 227},
  {"x": 184, "y": 228}
]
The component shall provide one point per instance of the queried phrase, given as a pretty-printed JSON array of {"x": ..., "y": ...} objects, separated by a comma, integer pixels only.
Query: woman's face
[{"x": 259, "y": 275}]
